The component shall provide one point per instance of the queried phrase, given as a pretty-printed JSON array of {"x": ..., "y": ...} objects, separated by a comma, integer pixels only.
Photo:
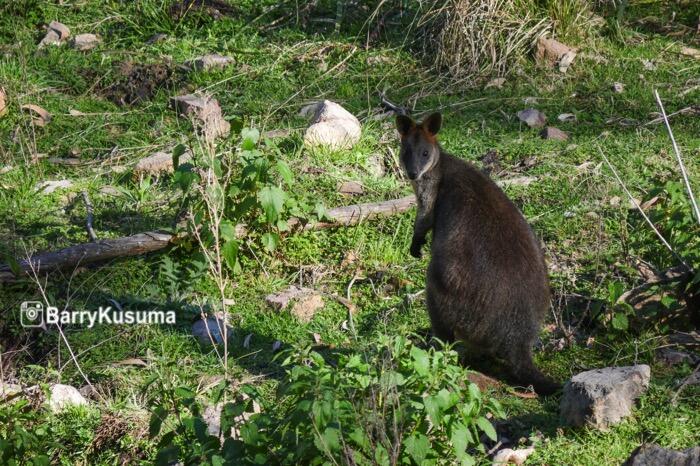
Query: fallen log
[{"x": 143, "y": 243}]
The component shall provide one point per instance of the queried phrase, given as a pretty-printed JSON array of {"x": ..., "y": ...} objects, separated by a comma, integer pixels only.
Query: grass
[{"x": 590, "y": 242}]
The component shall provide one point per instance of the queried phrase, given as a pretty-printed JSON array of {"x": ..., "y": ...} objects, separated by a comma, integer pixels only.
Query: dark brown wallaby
[{"x": 487, "y": 281}]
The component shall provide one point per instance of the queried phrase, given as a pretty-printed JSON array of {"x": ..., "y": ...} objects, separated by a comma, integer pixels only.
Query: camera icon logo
[{"x": 32, "y": 314}]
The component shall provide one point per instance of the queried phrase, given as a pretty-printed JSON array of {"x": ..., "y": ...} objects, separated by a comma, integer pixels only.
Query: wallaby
[{"x": 487, "y": 281}]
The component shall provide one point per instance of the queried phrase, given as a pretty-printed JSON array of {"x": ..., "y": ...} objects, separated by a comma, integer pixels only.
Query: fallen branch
[
  {"x": 90, "y": 215},
  {"x": 677, "y": 273},
  {"x": 143, "y": 243},
  {"x": 151, "y": 241}
]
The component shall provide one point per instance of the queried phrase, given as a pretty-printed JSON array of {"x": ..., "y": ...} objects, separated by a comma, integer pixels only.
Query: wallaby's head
[{"x": 419, "y": 147}]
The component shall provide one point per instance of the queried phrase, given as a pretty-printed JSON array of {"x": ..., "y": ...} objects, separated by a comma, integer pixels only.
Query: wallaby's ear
[
  {"x": 404, "y": 124},
  {"x": 432, "y": 123}
]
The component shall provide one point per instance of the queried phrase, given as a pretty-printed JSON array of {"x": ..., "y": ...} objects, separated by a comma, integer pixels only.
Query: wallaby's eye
[{"x": 425, "y": 153}]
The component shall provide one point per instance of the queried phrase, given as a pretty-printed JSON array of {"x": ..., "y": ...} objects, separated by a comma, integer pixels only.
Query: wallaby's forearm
[{"x": 424, "y": 221}]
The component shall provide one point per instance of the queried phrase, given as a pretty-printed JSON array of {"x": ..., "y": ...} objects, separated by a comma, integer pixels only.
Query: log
[{"x": 143, "y": 243}]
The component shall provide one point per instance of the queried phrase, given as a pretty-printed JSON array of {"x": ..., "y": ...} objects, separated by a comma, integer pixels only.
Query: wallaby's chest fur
[{"x": 486, "y": 282}]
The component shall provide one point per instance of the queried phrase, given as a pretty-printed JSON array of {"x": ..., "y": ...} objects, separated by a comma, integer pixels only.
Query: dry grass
[{"x": 474, "y": 38}]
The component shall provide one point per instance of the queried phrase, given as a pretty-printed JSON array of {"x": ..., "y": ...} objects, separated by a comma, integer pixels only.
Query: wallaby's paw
[{"x": 415, "y": 251}]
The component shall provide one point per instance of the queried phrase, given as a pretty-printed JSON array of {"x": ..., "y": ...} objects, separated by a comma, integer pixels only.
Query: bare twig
[
  {"x": 688, "y": 380},
  {"x": 88, "y": 220},
  {"x": 678, "y": 157},
  {"x": 641, "y": 211}
]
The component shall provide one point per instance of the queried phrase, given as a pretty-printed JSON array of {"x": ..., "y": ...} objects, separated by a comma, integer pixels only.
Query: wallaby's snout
[{"x": 419, "y": 148}]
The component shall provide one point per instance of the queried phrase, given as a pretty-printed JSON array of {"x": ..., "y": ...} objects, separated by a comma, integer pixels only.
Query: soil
[{"x": 139, "y": 82}]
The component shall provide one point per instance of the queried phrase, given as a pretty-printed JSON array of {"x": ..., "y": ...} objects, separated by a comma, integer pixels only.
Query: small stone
[
  {"x": 333, "y": 127},
  {"x": 550, "y": 132},
  {"x": 618, "y": 87},
  {"x": 350, "y": 188},
  {"x": 517, "y": 181},
  {"x": 212, "y": 418},
  {"x": 651, "y": 454},
  {"x": 206, "y": 111},
  {"x": 648, "y": 65},
  {"x": 211, "y": 328},
  {"x": 671, "y": 357},
  {"x": 159, "y": 162},
  {"x": 47, "y": 187},
  {"x": 51, "y": 38},
  {"x": 277, "y": 133},
  {"x": 60, "y": 29},
  {"x": 209, "y": 62},
  {"x": 551, "y": 52},
  {"x": 8, "y": 390},
  {"x": 85, "y": 42},
  {"x": 532, "y": 117},
  {"x": 566, "y": 117},
  {"x": 603, "y": 397},
  {"x": 690, "y": 52},
  {"x": 306, "y": 302},
  {"x": 110, "y": 190},
  {"x": 509, "y": 456},
  {"x": 566, "y": 60},
  {"x": 62, "y": 396}
]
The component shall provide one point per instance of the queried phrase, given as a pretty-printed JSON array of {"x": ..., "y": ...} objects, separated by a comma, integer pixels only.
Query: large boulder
[
  {"x": 332, "y": 126},
  {"x": 651, "y": 454},
  {"x": 602, "y": 397}
]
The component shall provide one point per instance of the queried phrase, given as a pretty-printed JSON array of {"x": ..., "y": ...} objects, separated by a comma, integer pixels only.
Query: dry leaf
[
  {"x": 72, "y": 112},
  {"x": 246, "y": 340},
  {"x": 40, "y": 116}
]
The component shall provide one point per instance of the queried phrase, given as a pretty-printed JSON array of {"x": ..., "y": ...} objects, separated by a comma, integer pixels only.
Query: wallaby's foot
[{"x": 527, "y": 374}]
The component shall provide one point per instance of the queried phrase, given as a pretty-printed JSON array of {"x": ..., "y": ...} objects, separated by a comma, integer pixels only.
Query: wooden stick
[
  {"x": 143, "y": 243},
  {"x": 90, "y": 215}
]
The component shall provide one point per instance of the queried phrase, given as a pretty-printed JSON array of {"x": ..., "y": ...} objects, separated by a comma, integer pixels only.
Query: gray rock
[
  {"x": 306, "y": 302},
  {"x": 532, "y": 117},
  {"x": 208, "y": 62},
  {"x": 212, "y": 418},
  {"x": 651, "y": 454},
  {"x": 8, "y": 390},
  {"x": 60, "y": 29},
  {"x": 333, "y": 127},
  {"x": 671, "y": 357},
  {"x": 157, "y": 37},
  {"x": 56, "y": 34},
  {"x": 85, "y": 42},
  {"x": 375, "y": 165},
  {"x": 211, "y": 328},
  {"x": 62, "y": 396},
  {"x": 602, "y": 397},
  {"x": 553, "y": 133},
  {"x": 206, "y": 112}
]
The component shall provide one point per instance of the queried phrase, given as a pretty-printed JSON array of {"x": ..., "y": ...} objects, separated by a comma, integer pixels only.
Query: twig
[
  {"x": 685, "y": 383},
  {"x": 88, "y": 220},
  {"x": 641, "y": 211},
  {"x": 678, "y": 157},
  {"x": 656, "y": 121},
  {"x": 387, "y": 105}
]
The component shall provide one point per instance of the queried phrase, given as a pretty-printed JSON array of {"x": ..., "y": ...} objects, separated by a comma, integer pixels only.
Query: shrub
[{"x": 394, "y": 403}]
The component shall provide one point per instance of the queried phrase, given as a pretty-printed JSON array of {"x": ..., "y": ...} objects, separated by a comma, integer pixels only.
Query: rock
[
  {"x": 602, "y": 397},
  {"x": 277, "y": 133},
  {"x": 206, "y": 113},
  {"x": 671, "y": 357},
  {"x": 85, "y": 42},
  {"x": 109, "y": 190},
  {"x": 532, "y": 117},
  {"x": 375, "y": 165},
  {"x": 306, "y": 302},
  {"x": 350, "y": 188},
  {"x": 618, "y": 87},
  {"x": 648, "y": 65},
  {"x": 552, "y": 52},
  {"x": 566, "y": 60},
  {"x": 157, "y": 37},
  {"x": 159, "y": 162},
  {"x": 517, "y": 181},
  {"x": 8, "y": 390},
  {"x": 509, "y": 456},
  {"x": 47, "y": 187},
  {"x": 5, "y": 169},
  {"x": 550, "y": 132},
  {"x": 212, "y": 418},
  {"x": 211, "y": 328},
  {"x": 333, "y": 127},
  {"x": 209, "y": 62},
  {"x": 307, "y": 111},
  {"x": 567, "y": 117},
  {"x": 690, "y": 52},
  {"x": 62, "y": 396},
  {"x": 651, "y": 454},
  {"x": 56, "y": 34}
]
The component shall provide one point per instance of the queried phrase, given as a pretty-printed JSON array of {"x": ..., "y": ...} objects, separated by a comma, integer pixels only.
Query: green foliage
[{"x": 21, "y": 442}]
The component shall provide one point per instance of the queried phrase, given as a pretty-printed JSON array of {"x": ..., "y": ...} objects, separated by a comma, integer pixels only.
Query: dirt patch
[{"x": 139, "y": 82}]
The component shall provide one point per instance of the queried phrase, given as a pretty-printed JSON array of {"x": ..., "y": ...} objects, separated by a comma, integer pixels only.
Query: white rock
[
  {"x": 567, "y": 117},
  {"x": 333, "y": 127},
  {"x": 618, "y": 87},
  {"x": 85, "y": 42},
  {"x": 208, "y": 62},
  {"x": 61, "y": 396},
  {"x": 510, "y": 456},
  {"x": 159, "y": 162}
]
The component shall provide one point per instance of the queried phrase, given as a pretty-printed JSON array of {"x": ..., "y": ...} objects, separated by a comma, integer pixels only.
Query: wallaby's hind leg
[{"x": 524, "y": 372}]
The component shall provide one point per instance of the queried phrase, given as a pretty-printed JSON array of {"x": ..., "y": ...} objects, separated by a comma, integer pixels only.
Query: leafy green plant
[{"x": 23, "y": 439}]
